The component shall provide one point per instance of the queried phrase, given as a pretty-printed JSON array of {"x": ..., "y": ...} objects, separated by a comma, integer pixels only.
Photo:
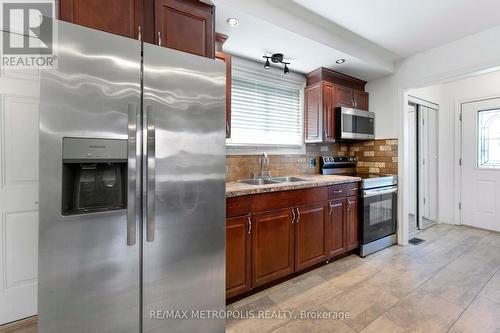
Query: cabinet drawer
[
  {"x": 351, "y": 189},
  {"x": 237, "y": 206},
  {"x": 285, "y": 199},
  {"x": 336, "y": 192}
]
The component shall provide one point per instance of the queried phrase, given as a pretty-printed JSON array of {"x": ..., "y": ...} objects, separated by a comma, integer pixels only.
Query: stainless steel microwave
[{"x": 353, "y": 124}]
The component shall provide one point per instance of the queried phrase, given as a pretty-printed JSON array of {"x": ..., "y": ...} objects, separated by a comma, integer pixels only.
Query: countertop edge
[{"x": 258, "y": 189}]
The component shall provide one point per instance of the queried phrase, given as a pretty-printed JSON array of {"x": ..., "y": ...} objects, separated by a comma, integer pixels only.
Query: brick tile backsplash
[{"x": 377, "y": 156}]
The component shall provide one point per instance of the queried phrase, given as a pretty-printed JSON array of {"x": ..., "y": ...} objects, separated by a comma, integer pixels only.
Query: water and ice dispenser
[{"x": 94, "y": 175}]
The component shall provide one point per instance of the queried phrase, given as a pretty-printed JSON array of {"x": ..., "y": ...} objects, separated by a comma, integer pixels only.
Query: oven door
[
  {"x": 355, "y": 124},
  {"x": 378, "y": 213}
]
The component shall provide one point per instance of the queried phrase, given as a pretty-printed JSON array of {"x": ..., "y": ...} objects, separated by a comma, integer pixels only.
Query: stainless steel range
[{"x": 378, "y": 208}]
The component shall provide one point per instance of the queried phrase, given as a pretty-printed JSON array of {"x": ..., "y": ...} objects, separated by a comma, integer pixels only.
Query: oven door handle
[{"x": 378, "y": 191}]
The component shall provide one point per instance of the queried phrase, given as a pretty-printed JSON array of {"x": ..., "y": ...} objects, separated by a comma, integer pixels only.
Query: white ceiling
[
  {"x": 408, "y": 27},
  {"x": 265, "y": 28}
]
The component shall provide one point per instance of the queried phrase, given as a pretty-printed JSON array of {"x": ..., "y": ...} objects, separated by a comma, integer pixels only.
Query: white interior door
[
  {"x": 481, "y": 164},
  {"x": 19, "y": 93},
  {"x": 429, "y": 162}
]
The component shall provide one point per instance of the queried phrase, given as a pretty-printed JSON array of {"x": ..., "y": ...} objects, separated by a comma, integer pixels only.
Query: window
[
  {"x": 488, "y": 144},
  {"x": 265, "y": 113}
]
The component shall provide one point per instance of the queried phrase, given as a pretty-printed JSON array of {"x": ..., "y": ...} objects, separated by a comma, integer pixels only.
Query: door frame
[
  {"x": 418, "y": 102},
  {"x": 459, "y": 149}
]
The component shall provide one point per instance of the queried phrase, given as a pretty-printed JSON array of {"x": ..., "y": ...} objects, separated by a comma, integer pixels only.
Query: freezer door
[
  {"x": 184, "y": 211},
  {"x": 89, "y": 263}
]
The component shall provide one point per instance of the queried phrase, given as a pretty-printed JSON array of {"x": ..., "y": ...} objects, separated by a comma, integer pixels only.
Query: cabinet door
[
  {"x": 272, "y": 246},
  {"x": 121, "y": 17},
  {"x": 185, "y": 25},
  {"x": 310, "y": 235},
  {"x": 344, "y": 96},
  {"x": 352, "y": 223},
  {"x": 238, "y": 255},
  {"x": 336, "y": 227},
  {"x": 313, "y": 113},
  {"x": 329, "y": 112},
  {"x": 361, "y": 100},
  {"x": 227, "y": 60}
]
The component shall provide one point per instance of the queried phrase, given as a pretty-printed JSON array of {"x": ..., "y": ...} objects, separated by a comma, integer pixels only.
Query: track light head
[
  {"x": 267, "y": 65},
  {"x": 286, "y": 70}
]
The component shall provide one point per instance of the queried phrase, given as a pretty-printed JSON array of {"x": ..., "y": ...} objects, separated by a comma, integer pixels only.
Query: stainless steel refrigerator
[{"x": 132, "y": 187}]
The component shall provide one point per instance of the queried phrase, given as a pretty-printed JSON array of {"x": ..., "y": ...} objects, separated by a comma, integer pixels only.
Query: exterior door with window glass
[{"x": 481, "y": 164}]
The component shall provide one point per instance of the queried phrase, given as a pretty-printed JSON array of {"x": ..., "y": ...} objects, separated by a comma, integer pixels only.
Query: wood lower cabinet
[
  {"x": 272, "y": 235},
  {"x": 310, "y": 235},
  {"x": 120, "y": 17},
  {"x": 272, "y": 246},
  {"x": 336, "y": 227},
  {"x": 352, "y": 223},
  {"x": 238, "y": 255},
  {"x": 185, "y": 25}
]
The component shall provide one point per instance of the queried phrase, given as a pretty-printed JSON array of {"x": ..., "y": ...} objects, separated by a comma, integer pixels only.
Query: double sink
[{"x": 271, "y": 180}]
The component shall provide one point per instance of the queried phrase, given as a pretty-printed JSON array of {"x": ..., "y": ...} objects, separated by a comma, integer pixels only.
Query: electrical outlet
[
  {"x": 312, "y": 162},
  {"x": 324, "y": 148}
]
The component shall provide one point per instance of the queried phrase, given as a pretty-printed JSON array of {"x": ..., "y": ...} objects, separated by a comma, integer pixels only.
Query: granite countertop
[{"x": 234, "y": 189}]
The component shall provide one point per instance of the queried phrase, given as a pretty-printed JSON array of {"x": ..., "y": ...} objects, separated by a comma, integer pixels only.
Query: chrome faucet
[{"x": 264, "y": 159}]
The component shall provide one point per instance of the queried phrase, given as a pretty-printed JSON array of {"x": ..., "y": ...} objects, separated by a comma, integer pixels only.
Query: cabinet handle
[
  {"x": 159, "y": 38},
  {"x": 139, "y": 34},
  {"x": 348, "y": 206},
  {"x": 227, "y": 128},
  {"x": 293, "y": 216},
  {"x": 298, "y": 215},
  {"x": 331, "y": 209},
  {"x": 338, "y": 191},
  {"x": 249, "y": 224}
]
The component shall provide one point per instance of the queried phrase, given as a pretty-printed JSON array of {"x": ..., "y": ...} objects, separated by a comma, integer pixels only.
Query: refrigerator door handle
[
  {"x": 132, "y": 174},
  {"x": 151, "y": 176}
]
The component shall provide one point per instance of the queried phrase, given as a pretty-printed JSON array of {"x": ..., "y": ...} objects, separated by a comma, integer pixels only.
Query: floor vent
[{"x": 415, "y": 241}]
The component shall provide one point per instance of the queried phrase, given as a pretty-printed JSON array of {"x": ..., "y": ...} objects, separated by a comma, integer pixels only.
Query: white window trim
[{"x": 255, "y": 70}]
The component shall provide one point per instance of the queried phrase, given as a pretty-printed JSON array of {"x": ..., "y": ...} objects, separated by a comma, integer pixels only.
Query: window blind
[{"x": 264, "y": 113}]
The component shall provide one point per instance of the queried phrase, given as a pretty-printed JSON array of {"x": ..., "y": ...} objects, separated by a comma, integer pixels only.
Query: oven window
[{"x": 380, "y": 211}]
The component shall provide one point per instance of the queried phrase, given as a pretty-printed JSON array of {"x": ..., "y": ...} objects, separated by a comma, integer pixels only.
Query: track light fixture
[{"x": 276, "y": 58}]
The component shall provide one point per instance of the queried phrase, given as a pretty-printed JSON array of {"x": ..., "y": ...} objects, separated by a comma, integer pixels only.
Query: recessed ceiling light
[
  {"x": 340, "y": 61},
  {"x": 232, "y": 21}
]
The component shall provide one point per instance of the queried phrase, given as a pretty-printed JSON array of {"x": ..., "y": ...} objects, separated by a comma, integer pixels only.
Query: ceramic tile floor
[{"x": 449, "y": 283}]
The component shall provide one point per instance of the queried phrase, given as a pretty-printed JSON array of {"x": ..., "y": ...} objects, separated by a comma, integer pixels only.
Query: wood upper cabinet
[
  {"x": 352, "y": 223},
  {"x": 360, "y": 100},
  {"x": 238, "y": 255},
  {"x": 272, "y": 246},
  {"x": 336, "y": 227},
  {"x": 227, "y": 60},
  {"x": 313, "y": 113},
  {"x": 344, "y": 96},
  {"x": 320, "y": 113},
  {"x": 310, "y": 235},
  {"x": 326, "y": 90},
  {"x": 185, "y": 25},
  {"x": 120, "y": 17},
  {"x": 329, "y": 112}
]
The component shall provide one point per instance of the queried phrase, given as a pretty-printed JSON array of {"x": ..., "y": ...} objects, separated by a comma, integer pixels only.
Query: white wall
[
  {"x": 447, "y": 96},
  {"x": 454, "y": 60}
]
